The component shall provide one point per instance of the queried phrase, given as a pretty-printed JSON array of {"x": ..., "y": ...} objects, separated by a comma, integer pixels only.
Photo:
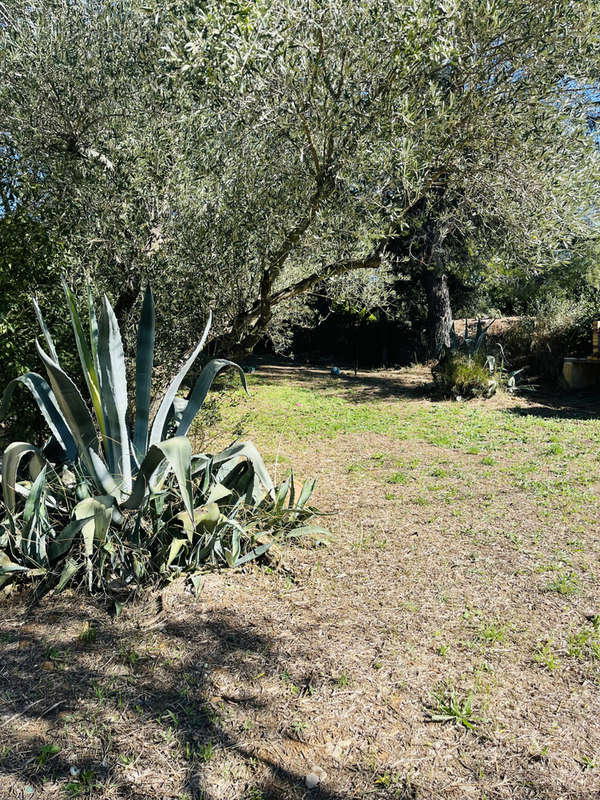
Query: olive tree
[{"x": 242, "y": 155}]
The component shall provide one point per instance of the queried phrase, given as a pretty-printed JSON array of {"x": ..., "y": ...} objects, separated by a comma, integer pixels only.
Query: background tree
[{"x": 243, "y": 155}]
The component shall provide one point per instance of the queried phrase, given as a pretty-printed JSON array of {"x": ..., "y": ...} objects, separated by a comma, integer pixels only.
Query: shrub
[
  {"x": 458, "y": 375},
  {"x": 119, "y": 502},
  {"x": 560, "y": 327}
]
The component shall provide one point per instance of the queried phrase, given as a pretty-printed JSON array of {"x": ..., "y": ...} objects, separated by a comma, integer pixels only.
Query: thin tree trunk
[{"x": 439, "y": 312}]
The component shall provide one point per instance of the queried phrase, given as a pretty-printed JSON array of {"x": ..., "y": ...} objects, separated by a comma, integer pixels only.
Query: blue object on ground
[{"x": 336, "y": 372}]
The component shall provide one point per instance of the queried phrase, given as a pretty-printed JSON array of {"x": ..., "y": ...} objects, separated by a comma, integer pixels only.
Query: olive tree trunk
[{"x": 439, "y": 312}]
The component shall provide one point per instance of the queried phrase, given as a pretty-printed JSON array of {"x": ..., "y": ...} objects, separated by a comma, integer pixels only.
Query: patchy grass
[{"x": 462, "y": 585}]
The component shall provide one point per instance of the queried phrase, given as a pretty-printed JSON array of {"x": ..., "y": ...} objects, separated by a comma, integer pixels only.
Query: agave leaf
[
  {"x": 32, "y": 515},
  {"x": 229, "y": 457},
  {"x": 103, "y": 477},
  {"x": 7, "y": 566},
  {"x": 98, "y": 512},
  {"x": 88, "y": 363},
  {"x": 232, "y": 555},
  {"x": 45, "y": 331},
  {"x": 178, "y": 453},
  {"x": 11, "y": 460},
  {"x": 307, "y": 490},
  {"x": 143, "y": 374},
  {"x": 93, "y": 325},
  {"x": 72, "y": 406},
  {"x": 59, "y": 546},
  {"x": 99, "y": 509},
  {"x": 154, "y": 457},
  {"x": 114, "y": 396},
  {"x": 200, "y": 462},
  {"x": 218, "y": 492},
  {"x": 256, "y": 552},
  {"x": 282, "y": 493},
  {"x": 206, "y": 516},
  {"x": 36, "y": 464},
  {"x": 207, "y": 476},
  {"x": 201, "y": 388},
  {"x": 175, "y": 549},
  {"x": 309, "y": 530},
  {"x": 46, "y": 401},
  {"x": 158, "y": 425},
  {"x": 33, "y": 502},
  {"x": 69, "y": 570}
]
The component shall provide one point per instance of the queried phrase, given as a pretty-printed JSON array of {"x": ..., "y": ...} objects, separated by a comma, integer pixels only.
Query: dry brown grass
[{"x": 438, "y": 579}]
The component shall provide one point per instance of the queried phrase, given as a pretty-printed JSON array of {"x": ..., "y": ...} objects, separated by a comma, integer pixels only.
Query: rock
[{"x": 314, "y": 777}]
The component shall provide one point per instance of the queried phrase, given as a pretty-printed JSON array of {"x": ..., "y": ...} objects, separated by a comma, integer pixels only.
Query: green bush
[
  {"x": 560, "y": 327},
  {"x": 116, "y": 498},
  {"x": 460, "y": 375}
]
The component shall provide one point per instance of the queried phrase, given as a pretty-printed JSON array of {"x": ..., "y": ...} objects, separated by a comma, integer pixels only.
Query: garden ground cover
[{"x": 446, "y": 643}]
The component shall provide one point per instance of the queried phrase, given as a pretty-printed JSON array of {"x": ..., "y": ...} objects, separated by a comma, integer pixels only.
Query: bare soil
[{"x": 333, "y": 656}]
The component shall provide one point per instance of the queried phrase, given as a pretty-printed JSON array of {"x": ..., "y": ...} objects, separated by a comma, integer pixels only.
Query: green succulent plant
[{"x": 125, "y": 498}]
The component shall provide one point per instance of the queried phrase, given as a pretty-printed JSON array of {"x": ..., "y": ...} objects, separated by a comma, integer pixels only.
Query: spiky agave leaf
[
  {"x": 46, "y": 402},
  {"x": 143, "y": 374},
  {"x": 158, "y": 425},
  {"x": 86, "y": 356},
  {"x": 114, "y": 396},
  {"x": 11, "y": 460},
  {"x": 201, "y": 389}
]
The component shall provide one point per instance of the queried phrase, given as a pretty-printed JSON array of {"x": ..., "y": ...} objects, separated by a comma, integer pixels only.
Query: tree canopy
[{"x": 239, "y": 155}]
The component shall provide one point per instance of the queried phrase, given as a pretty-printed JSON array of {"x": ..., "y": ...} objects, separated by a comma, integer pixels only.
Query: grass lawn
[{"x": 446, "y": 644}]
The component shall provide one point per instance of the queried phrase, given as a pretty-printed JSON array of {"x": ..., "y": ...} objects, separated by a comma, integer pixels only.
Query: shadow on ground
[
  {"x": 137, "y": 711},
  {"x": 416, "y": 383},
  {"x": 582, "y": 405},
  {"x": 364, "y": 387}
]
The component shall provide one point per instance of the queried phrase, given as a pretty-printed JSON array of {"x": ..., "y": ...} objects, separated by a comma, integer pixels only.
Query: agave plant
[
  {"x": 106, "y": 489},
  {"x": 470, "y": 345}
]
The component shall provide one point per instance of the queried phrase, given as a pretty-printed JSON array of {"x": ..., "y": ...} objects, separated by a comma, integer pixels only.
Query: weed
[
  {"x": 566, "y": 583},
  {"x": 129, "y": 656},
  {"x": 438, "y": 472},
  {"x": 48, "y": 751},
  {"x": 494, "y": 632},
  {"x": 587, "y": 763},
  {"x": 88, "y": 633},
  {"x": 84, "y": 784},
  {"x": 206, "y": 752},
  {"x": 99, "y": 691},
  {"x": 299, "y": 726},
  {"x": 56, "y": 655},
  {"x": 545, "y": 656},
  {"x": 398, "y": 477},
  {"x": 584, "y": 645},
  {"x": 421, "y": 501},
  {"x": 448, "y": 706},
  {"x": 342, "y": 680},
  {"x": 356, "y": 468}
]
